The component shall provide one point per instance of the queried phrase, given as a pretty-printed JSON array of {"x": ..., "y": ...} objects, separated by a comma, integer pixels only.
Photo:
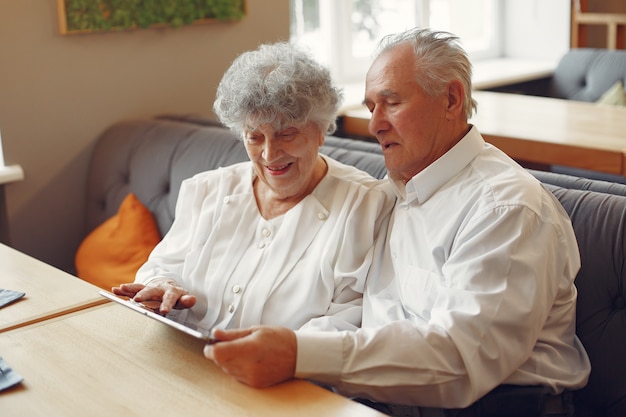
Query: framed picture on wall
[{"x": 94, "y": 16}]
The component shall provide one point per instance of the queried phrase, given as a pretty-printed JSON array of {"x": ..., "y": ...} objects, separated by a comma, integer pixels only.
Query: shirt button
[
  {"x": 321, "y": 216},
  {"x": 266, "y": 232},
  {"x": 236, "y": 289},
  {"x": 261, "y": 245},
  {"x": 231, "y": 308},
  {"x": 226, "y": 200}
]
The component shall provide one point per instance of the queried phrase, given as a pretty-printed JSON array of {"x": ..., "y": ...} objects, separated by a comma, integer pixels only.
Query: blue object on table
[
  {"x": 8, "y": 296},
  {"x": 8, "y": 377}
]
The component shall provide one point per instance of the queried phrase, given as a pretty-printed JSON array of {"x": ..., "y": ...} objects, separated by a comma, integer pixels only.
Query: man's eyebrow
[
  {"x": 383, "y": 94},
  {"x": 387, "y": 93}
]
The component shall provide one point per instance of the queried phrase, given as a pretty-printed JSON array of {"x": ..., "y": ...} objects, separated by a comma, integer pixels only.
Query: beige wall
[{"x": 57, "y": 93}]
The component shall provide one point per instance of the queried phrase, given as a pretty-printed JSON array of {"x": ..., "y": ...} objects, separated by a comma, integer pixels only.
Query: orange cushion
[{"x": 113, "y": 252}]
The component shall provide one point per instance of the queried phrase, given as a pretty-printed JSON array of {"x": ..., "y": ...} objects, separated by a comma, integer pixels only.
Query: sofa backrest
[
  {"x": 152, "y": 157},
  {"x": 599, "y": 221},
  {"x": 584, "y": 74}
]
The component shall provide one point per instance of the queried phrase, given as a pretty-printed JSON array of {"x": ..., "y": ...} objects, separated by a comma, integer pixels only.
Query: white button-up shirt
[
  {"x": 475, "y": 289},
  {"x": 304, "y": 268}
]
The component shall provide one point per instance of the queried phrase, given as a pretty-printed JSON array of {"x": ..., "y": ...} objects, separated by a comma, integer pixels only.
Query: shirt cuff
[{"x": 319, "y": 355}]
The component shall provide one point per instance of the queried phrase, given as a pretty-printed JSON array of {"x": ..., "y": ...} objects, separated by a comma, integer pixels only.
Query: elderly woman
[{"x": 286, "y": 238}]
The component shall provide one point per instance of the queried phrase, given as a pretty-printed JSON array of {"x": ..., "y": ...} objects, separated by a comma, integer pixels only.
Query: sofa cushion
[
  {"x": 363, "y": 155},
  {"x": 585, "y": 74},
  {"x": 615, "y": 96},
  {"x": 599, "y": 221},
  {"x": 113, "y": 252},
  {"x": 566, "y": 180}
]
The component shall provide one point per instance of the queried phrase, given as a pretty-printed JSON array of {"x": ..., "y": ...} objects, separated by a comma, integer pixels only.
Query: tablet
[{"x": 151, "y": 309}]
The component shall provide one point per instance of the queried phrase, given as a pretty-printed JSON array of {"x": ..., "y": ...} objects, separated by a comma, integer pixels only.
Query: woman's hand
[{"x": 167, "y": 291}]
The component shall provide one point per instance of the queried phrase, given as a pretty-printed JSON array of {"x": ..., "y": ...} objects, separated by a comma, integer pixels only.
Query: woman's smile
[{"x": 278, "y": 169}]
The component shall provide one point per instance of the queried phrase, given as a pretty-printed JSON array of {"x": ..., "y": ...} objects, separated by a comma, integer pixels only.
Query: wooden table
[
  {"x": 541, "y": 130},
  {"x": 110, "y": 361},
  {"x": 50, "y": 292}
]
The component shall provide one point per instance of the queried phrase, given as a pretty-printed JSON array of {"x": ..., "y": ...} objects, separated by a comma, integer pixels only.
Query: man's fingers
[
  {"x": 232, "y": 334},
  {"x": 208, "y": 352},
  {"x": 221, "y": 335},
  {"x": 259, "y": 357}
]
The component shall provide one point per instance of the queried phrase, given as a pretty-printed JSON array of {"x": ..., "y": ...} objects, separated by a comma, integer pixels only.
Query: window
[
  {"x": 507, "y": 40},
  {"x": 344, "y": 33}
]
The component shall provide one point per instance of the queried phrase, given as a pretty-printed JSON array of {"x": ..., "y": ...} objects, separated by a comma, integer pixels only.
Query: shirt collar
[{"x": 423, "y": 185}]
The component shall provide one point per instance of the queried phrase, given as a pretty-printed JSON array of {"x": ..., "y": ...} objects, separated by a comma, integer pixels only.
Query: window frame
[{"x": 335, "y": 29}]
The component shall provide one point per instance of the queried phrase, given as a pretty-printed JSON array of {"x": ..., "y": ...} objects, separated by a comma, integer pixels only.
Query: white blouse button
[
  {"x": 236, "y": 289},
  {"x": 266, "y": 232},
  {"x": 231, "y": 308},
  {"x": 321, "y": 216},
  {"x": 261, "y": 245},
  {"x": 226, "y": 200}
]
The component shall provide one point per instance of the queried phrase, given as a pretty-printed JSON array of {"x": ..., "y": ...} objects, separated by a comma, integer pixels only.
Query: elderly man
[{"x": 470, "y": 310}]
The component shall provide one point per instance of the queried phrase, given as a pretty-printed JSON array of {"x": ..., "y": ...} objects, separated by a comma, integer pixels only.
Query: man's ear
[{"x": 456, "y": 98}]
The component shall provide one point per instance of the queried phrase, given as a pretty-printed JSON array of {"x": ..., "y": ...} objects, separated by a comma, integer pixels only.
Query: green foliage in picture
[{"x": 105, "y": 15}]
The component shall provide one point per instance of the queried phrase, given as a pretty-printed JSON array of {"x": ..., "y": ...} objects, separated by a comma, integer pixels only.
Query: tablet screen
[{"x": 151, "y": 309}]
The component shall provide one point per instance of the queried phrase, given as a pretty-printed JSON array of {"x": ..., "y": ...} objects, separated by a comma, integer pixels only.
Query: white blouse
[{"x": 304, "y": 268}]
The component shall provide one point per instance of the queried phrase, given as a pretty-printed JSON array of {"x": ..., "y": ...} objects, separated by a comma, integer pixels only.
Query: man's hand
[
  {"x": 168, "y": 292},
  {"x": 259, "y": 356}
]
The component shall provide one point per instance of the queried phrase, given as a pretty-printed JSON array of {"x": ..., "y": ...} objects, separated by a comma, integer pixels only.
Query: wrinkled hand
[
  {"x": 259, "y": 356},
  {"x": 168, "y": 292}
]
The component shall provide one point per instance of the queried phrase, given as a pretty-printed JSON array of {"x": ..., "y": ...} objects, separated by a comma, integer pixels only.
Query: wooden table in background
[
  {"x": 541, "y": 130},
  {"x": 110, "y": 361},
  {"x": 50, "y": 292}
]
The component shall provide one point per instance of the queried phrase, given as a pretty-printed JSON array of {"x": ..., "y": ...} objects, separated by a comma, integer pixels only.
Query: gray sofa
[
  {"x": 584, "y": 74},
  {"x": 151, "y": 157}
]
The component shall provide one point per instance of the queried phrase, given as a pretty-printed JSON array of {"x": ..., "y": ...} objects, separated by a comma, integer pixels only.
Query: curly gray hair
[{"x": 277, "y": 84}]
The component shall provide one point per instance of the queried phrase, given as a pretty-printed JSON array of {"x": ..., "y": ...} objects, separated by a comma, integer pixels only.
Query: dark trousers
[{"x": 504, "y": 401}]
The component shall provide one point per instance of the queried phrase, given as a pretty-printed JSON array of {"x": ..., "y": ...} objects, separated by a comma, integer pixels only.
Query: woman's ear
[{"x": 456, "y": 98}]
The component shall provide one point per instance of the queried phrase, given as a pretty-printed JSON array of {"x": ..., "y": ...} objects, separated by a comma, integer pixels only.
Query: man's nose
[{"x": 378, "y": 122}]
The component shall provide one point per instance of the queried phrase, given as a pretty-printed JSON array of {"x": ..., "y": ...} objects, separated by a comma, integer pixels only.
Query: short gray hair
[
  {"x": 439, "y": 58},
  {"x": 277, "y": 84}
]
